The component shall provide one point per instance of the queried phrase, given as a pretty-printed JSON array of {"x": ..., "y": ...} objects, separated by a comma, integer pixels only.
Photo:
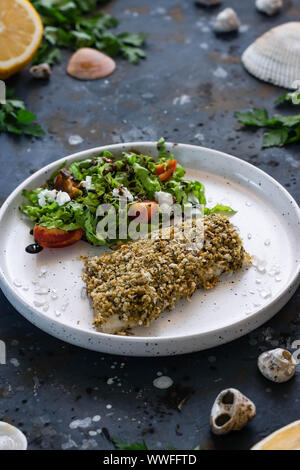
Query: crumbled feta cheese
[
  {"x": 165, "y": 200},
  {"x": 47, "y": 195},
  {"x": 62, "y": 198},
  {"x": 87, "y": 183},
  {"x": 122, "y": 191},
  {"x": 193, "y": 199}
]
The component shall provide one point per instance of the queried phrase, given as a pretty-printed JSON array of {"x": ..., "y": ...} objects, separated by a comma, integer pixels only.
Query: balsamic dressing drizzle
[{"x": 33, "y": 248}]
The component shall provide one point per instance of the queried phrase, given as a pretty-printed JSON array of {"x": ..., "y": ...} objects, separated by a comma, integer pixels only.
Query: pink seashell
[{"x": 90, "y": 64}]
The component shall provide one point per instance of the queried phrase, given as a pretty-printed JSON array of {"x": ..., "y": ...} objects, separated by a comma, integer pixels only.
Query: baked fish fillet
[{"x": 136, "y": 283}]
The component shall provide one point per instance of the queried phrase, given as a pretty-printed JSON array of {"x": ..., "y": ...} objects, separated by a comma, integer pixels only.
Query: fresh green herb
[
  {"x": 121, "y": 445},
  {"x": 219, "y": 209},
  {"x": 16, "y": 119},
  {"x": 73, "y": 24},
  {"x": 282, "y": 130}
]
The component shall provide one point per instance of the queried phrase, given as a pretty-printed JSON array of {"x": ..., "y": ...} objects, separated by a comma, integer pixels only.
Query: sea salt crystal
[
  {"x": 75, "y": 140},
  {"x": 17, "y": 283},
  {"x": 96, "y": 418},
  {"x": 182, "y": 100},
  {"x": 265, "y": 293},
  {"x": 81, "y": 423},
  {"x": 163, "y": 382},
  {"x": 43, "y": 271},
  {"x": 39, "y": 303},
  {"x": 54, "y": 295},
  {"x": 42, "y": 291}
]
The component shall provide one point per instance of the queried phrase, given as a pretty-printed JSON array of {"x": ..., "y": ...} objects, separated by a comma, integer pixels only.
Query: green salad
[{"x": 69, "y": 199}]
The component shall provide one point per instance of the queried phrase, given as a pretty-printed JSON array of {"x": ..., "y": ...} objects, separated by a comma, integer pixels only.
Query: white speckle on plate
[{"x": 17, "y": 283}]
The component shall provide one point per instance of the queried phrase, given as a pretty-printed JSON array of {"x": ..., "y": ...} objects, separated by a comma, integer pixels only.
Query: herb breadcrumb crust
[{"x": 135, "y": 284}]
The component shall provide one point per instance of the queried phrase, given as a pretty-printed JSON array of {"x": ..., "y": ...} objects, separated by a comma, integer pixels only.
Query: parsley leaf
[
  {"x": 275, "y": 138},
  {"x": 16, "y": 119},
  {"x": 256, "y": 118},
  {"x": 282, "y": 130},
  {"x": 68, "y": 25},
  {"x": 121, "y": 445}
]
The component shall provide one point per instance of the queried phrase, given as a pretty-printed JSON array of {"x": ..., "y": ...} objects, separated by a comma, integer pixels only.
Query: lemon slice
[
  {"x": 21, "y": 33},
  {"x": 286, "y": 438}
]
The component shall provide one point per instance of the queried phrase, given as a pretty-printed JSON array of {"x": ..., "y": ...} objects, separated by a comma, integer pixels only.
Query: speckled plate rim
[{"x": 156, "y": 346}]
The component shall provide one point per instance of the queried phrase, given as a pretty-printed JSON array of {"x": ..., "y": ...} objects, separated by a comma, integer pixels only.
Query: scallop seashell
[
  {"x": 270, "y": 7},
  {"x": 231, "y": 411},
  {"x": 275, "y": 56},
  {"x": 90, "y": 64},
  {"x": 227, "y": 21},
  {"x": 11, "y": 438}
]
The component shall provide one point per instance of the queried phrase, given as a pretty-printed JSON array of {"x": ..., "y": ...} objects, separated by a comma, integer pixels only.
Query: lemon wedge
[
  {"x": 21, "y": 32},
  {"x": 286, "y": 438}
]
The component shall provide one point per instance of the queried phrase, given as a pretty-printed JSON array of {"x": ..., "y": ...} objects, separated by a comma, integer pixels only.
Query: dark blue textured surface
[{"x": 56, "y": 383}]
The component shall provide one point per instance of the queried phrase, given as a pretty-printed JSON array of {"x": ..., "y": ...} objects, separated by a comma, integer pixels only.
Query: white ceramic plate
[{"x": 269, "y": 223}]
